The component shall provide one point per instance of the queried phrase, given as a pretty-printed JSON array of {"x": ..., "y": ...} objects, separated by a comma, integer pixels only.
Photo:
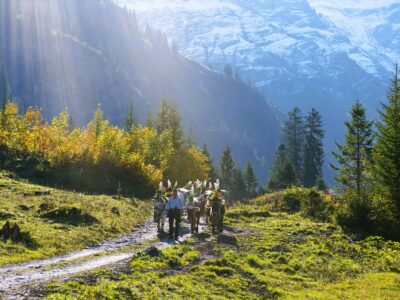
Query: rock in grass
[
  {"x": 153, "y": 251},
  {"x": 46, "y": 207},
  {"x": 115, "y": 210},
  {"x": 42, "y": 193},
  {"x": 24, "y": 207},
  {"x": 5, "y": 215}
]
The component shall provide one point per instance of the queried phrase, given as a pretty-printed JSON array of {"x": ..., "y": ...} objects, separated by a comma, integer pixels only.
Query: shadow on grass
[
  {"x": 227, "y": 239},
  {"x": 71, "y": 216},
  {"x": 248, "y": 214}
]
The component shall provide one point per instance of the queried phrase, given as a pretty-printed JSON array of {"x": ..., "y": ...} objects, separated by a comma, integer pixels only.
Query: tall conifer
[
  {"x": 294, "y": 139},
  {"x": 387, "y": 149},
  {"x": 355, "y": 156},
  {"x": 313, "y": 149},
  {"x": 227, "y": 166}
]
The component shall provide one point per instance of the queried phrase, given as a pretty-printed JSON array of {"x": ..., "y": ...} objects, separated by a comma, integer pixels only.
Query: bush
[
  {"x": 310, "y": 202},
  {"x": 292, "y": 198},
  {"x": 368, "y": 216},
  {"x": 314, "y": 205}
]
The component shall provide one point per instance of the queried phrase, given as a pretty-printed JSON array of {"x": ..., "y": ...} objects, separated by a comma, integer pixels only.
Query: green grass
[
  {"x": 52, "y": 236},
  {"x": 262, "y": 255}
]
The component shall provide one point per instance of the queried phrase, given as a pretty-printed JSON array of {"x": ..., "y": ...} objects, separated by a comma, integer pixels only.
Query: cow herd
[{"x": 200, "y": 201}]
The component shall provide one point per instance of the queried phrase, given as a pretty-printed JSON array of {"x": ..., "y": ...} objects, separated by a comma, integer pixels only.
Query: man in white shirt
[{"x": 174, "y": 207}]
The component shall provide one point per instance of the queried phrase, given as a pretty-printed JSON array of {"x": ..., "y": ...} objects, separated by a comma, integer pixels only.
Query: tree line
[
  {"x": 300, "y": 156},
  {"x": 242, "y": 184}
]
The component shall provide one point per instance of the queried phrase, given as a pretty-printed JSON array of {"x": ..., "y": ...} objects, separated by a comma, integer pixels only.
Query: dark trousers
[{"x": 174, "y": 215}]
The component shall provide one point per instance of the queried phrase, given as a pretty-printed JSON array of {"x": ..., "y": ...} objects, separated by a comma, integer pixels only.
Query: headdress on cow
[
  {"x": 204, "y": 183},
  {"x": 210, "y": 185},
  {"x": 198, "y": 184},
  {"x": 158, "y": 195},
  {"x": 189, "y": 184},
  {"x": 176, "y": 184},
  {"x": 192, "y": 191},
  {"x": 216, "y": 185},
  {"x": 169, "y": 184},
  {"x": 160, "y": 186},
  {"x": 216, "y": 196}
]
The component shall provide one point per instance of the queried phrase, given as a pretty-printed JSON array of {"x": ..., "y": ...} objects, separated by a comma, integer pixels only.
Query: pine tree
[
  {"x": 227, "y": 169},
  {"x": 98, "y": 120},
  {"x": 313, "y": 149},
  {"x": 294, "y": 139},
  {"x": 168, "y": 117},
  {"x": 212, "y": 174},
  {"x": 355, "y": 156},
  {"x": 276, "y": 169},
  {"x": 150, "y": 120},
  {"x": 130, "y": 120},
  {"x": 287, "y": 176},
  {"x": 238, "y": 185},
  {"x": 386, "y": 152},
  {"x": 251, "y": 181}
]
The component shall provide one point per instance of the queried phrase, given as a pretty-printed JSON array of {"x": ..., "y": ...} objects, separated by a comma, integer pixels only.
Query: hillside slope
[
  {"x": 77, "y": 54},
  {"x": 54, "y": 222}
]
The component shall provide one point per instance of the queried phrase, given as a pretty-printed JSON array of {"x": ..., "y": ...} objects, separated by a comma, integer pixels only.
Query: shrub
[{"x": 367, "y": 216}]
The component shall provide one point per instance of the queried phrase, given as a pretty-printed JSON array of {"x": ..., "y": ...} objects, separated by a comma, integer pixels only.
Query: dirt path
[{"x": 14, "y": 276}]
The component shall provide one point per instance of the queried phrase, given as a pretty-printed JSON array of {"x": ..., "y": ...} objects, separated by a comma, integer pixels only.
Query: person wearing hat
[{"x": 174, "y": 207}]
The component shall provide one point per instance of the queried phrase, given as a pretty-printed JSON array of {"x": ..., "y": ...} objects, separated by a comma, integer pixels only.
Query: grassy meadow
[
  {"x": 264, "y": 253},
  {"x": 56, "y": 221}
]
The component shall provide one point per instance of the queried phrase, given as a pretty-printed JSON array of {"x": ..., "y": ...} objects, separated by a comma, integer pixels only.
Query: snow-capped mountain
[{"x": 309, "y": 53}]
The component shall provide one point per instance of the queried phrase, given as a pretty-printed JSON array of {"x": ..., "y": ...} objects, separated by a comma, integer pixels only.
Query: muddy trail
[{"x": 16, "y": 277}]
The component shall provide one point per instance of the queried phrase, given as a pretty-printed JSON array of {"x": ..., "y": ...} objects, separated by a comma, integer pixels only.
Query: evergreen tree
[
  {"x": 212, "y": 174},
  {"x": 130, "y": 120},
  {"x": 313, "y": 149},
  {"x": 227, "y": 169},
  {"x": 168, "y": 117},
  {"x": 71, "y": 122},
  {"x": 386, "y": 152},
  {"x": 276, "y": 169},
  {"x": 190, "y": 140},
  {"x": 251, "y": 181},
  {"x": 294, "y": 139},
  {"x": 98, "y": 120},
  {"x": 287, "y": 176},
  {"x": 354, "y": 157},
  {"x": 238, "y": 190},
  {"x": 150, "y": 120}
]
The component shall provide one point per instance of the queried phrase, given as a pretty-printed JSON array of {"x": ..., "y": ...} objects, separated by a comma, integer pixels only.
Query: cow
[
  {"x": 193, "y": 209},
  {"x": 217, "y": 213},
  {"x": 160, "y": 214}
]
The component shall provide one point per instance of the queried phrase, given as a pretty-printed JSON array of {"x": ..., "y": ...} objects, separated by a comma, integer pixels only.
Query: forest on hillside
[{"x": 78, "y": 54}]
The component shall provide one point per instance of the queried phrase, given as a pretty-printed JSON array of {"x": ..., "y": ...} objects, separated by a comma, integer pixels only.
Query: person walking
[{"x": 175, "y": 208}]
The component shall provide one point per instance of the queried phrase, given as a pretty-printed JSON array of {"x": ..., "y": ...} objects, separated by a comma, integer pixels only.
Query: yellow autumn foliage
[{"x": 99, "y": 156}]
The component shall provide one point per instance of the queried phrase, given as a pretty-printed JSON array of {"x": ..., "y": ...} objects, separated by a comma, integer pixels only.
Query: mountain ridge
[
  {"x": 299, "y": 53},
  {"x": 80, "y": 54}
]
